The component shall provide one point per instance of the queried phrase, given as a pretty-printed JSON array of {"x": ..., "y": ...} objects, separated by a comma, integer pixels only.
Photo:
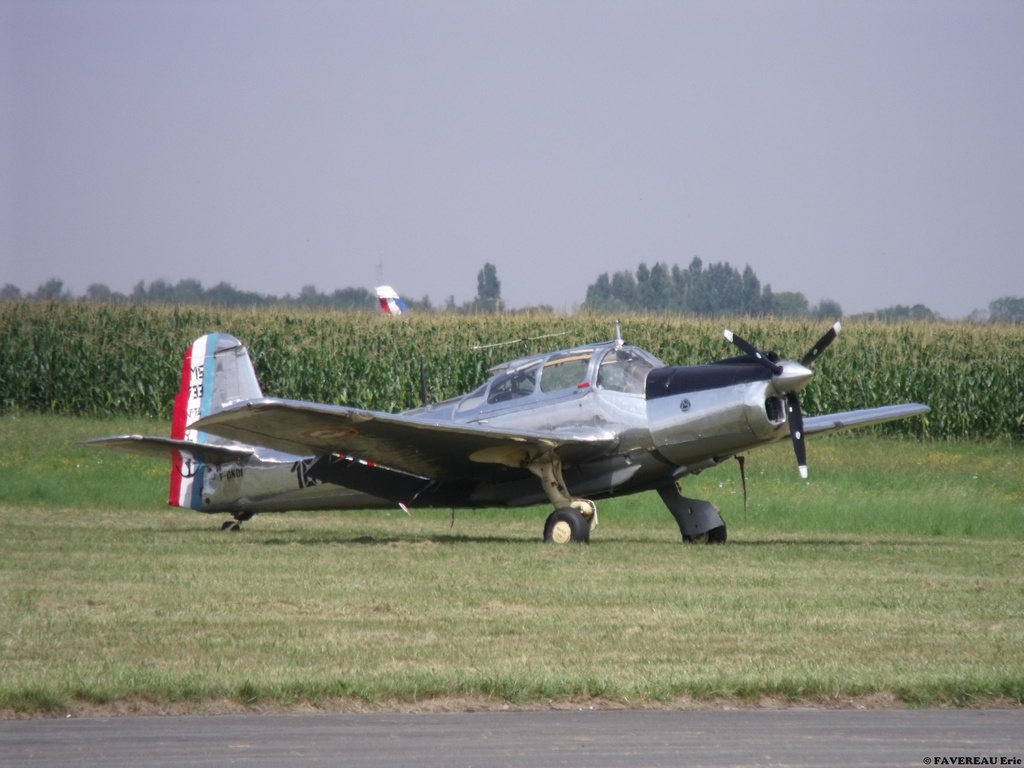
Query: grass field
[{"x": 893, "y": 577}]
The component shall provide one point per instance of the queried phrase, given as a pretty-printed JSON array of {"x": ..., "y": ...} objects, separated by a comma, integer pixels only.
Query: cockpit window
[
  {"x": 473, "y": 400},
  {"x": 565, "y": 371},
  {"x": 624, "y": 370},
  {"x": 513, "y": 384}
]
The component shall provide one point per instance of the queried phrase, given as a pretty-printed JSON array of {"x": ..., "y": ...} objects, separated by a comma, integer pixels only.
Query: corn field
[{"x": 88, "y": 359}]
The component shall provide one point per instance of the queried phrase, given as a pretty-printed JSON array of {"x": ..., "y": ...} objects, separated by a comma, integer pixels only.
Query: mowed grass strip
[{"x": 817, "y": 598}]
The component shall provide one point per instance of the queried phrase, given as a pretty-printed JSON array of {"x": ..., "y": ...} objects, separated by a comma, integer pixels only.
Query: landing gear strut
[
  {"x": 573, "y": 519},
  {"x": 699, "y": 521}
]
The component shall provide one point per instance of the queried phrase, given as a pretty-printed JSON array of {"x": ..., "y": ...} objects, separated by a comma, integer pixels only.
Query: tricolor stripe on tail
[
  {"x": 390, "y": 301},
  {"x": 216, "y": 370}
]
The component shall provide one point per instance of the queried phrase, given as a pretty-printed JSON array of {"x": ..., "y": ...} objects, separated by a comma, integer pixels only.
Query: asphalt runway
[{"x": 596, "y": 739}]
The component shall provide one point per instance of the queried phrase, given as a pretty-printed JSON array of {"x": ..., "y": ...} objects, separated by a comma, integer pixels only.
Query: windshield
[{"x": 624, "y": 370}]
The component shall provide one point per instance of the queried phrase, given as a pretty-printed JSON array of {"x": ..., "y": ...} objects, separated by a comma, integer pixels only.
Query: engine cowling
[{"x": 715, "y": 409}]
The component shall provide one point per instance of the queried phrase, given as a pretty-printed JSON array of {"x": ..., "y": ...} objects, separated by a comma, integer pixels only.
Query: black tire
[
  {"x": 566, "y": 525},
  {"x": 714, "y": 536}
]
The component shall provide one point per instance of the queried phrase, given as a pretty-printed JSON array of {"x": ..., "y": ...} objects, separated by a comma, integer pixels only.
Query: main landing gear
[
  {"x": 699, "y": 521},
  {"x": 573, "y": 519},
  {"x": 568, "y": 524}
]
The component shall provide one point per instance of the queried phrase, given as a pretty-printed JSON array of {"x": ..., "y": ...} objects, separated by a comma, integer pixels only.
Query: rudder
[
  {"x": 216, "y": 371},
  {"x": 390, "y": 302}
]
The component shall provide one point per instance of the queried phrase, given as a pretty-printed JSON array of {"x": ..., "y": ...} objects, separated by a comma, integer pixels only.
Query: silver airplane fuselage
[{"x": 667, "y": 422}]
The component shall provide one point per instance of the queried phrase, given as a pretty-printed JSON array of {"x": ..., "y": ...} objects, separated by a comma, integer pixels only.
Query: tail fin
[
  {"x": 390, "y": 301},
  {"x": 216, "y": 371}
]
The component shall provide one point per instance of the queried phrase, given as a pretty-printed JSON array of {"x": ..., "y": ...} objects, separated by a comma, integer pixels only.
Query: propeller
[
  {"x": 822, "y": 345},
  {"x": 753, "y": 351},
  {"x": 796, "y": 430},
  {"x": 792, "y": 378}
]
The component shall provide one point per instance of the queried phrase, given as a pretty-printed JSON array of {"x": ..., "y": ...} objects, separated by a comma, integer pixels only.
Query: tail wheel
[{"x": 566, "y": 525}]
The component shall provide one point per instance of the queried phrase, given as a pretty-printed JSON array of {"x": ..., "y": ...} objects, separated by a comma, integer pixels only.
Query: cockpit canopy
[
  {"x": 625, "y": 369},
  {"x": 613, "y": 368}
]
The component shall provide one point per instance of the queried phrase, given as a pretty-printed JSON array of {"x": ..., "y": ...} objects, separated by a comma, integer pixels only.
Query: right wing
[{"x": 438, "y": 450}]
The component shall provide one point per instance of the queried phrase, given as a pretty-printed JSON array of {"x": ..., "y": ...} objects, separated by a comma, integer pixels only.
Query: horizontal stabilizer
[
  {"x": 165, "y": 447},
  {"x": 833, "y": 422}
]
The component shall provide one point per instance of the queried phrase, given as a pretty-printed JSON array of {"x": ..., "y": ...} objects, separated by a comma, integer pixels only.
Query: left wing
[
  {"x": 833, "y": 422},
  {"x": 438, "y": 450},
  {"x": 164, "y": 447}
]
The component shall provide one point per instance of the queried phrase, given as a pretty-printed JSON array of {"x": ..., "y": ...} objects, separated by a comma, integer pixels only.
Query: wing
[
  {"x": 412, "y": 444},
  {"x": 164, "y": 447},
  {"x": 833, "y": 422}
]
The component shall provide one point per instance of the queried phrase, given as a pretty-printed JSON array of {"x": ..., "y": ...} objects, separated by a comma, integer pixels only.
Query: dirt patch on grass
[{"x": 136, "y": 707}]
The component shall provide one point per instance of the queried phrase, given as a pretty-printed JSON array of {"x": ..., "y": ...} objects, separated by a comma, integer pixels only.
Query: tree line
[
  {"x": 720, "y": 289},
  {"x": 192, "y": 292},
  {"x": 712, "y": 290},
  {"x": 701, "y": 290}
]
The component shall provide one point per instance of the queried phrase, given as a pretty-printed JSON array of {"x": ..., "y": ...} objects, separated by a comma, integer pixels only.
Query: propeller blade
[
  {"x": 822, "y": 345},
  {"x": 796, "y": 430},
  {"x": 753, "y": 351}
]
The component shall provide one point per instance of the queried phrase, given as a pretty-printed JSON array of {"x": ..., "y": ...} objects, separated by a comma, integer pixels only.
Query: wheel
[
  {"x": 566, "y": 525},
  {"x": 714, "y": 536}
]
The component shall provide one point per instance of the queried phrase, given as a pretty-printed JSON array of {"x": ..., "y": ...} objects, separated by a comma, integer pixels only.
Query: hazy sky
[{"x": 867, "y": 152}]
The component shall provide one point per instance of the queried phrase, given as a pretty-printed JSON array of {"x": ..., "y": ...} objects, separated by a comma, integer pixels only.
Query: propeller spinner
[{"x": 790, "y": 378}]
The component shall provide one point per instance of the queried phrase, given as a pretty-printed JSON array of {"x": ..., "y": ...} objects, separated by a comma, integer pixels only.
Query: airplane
[
  {"x": 390, "y": 302},
  {"x": 566, "y": 427}
]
